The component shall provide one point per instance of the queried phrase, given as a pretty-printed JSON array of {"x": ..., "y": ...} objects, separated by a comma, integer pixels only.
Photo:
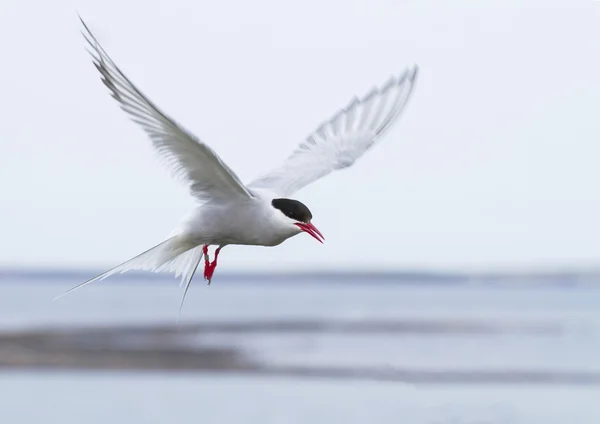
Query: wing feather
[
  {"x": 189, "y": 160},
  {"x": 346, "y": 136}
]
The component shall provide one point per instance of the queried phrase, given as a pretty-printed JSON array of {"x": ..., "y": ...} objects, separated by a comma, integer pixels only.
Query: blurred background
[{"x": 459, "y": 279}]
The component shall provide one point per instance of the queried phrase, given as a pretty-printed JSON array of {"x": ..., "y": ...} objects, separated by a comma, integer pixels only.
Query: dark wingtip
[
  {"x": 86, "y": 30},
  {"x": 80, "y": 18},
  {"x": 413, "y": 73}
]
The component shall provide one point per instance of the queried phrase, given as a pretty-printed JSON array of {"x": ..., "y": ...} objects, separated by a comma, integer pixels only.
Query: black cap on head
[{"x": 293, "y": 209}]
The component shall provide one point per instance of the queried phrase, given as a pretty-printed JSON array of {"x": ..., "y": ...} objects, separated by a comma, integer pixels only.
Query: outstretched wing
[
  {"x": 189, "y": 159},
  {"x": 339, "y": 142}
]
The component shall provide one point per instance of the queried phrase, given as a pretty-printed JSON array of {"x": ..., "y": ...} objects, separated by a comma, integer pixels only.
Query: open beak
[{"x": 312, "y": 230}]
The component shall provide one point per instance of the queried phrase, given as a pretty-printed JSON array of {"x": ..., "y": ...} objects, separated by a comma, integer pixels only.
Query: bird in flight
[{"x": 261, "y": 213}]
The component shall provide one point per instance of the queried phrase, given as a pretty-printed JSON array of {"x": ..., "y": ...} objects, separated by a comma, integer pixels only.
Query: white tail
[{"x": 175, "y": 254}]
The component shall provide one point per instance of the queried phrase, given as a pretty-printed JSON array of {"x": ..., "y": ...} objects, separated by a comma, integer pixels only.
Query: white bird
[{"x": 260, "y": 213}]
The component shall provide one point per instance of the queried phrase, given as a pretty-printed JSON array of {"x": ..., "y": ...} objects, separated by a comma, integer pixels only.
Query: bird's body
[
  {"x": 260, "y": 213},
  {"x": 246, "y": 221}
]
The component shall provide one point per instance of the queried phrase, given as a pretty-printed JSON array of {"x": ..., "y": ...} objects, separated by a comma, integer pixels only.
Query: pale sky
[{"x": 494, "y": 163}]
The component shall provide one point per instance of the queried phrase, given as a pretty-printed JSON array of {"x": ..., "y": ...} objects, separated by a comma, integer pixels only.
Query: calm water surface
[{"x": 572, "y": 343}]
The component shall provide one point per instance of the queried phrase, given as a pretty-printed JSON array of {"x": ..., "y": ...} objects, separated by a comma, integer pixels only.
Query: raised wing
[
  {"x": 189, "y": 160},
  {"x": 338, "y": 142}
]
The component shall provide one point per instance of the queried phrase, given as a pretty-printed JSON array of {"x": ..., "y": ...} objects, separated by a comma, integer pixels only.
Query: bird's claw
[{"x": 209, "y": 269}]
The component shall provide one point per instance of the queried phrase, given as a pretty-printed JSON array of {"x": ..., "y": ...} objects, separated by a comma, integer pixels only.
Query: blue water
[{"x": 572, "y": 343}]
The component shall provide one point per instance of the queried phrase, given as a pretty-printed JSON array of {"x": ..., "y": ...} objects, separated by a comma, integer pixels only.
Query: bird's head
[{"x": 297, "y": 214}]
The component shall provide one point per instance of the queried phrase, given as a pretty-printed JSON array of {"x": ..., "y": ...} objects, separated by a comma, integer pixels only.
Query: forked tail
[{"x": 176, "y": 254}]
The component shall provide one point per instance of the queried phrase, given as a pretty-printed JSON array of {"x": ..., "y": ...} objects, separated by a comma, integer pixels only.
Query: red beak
[{"x": 312, "y": 230}]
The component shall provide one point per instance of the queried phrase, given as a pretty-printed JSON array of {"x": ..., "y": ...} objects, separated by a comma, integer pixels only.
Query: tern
[{"x": 261, "y": 213}]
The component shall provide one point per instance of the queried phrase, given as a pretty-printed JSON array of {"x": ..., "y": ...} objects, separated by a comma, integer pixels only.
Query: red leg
[
  {"x": 206, "y": 262},
  {"x": 209, "y": 267}
]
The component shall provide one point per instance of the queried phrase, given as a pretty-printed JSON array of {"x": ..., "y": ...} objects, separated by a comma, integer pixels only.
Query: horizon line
[{"x": 573, "y": 274}]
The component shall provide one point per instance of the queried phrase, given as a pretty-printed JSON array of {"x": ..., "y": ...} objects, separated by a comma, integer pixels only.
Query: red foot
[{"x": 209, "y": 267}]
